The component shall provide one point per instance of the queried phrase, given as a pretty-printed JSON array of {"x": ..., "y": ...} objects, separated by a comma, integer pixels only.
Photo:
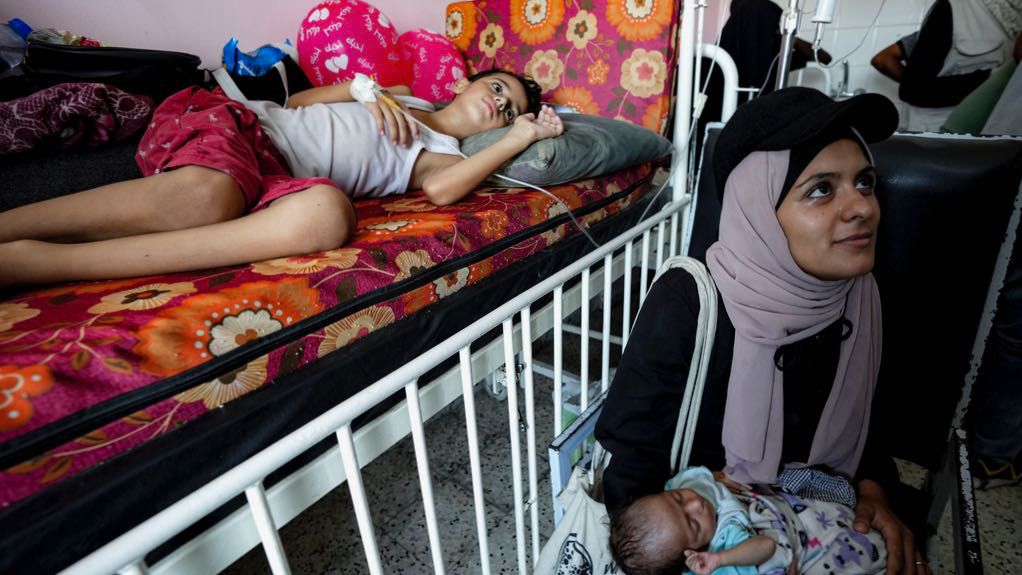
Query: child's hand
[
  {"x": 396, "y": 122},
  {"x": 701, "y": 562},
  {"x": 533, "y": 127}
]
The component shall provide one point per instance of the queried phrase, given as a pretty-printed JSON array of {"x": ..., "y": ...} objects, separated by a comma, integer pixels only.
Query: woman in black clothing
[{"x": 797, "y": 350}]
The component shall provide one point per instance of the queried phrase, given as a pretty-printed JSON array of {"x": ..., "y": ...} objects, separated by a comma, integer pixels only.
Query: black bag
[
  {"x": 154, "y": 73},
  {"x": 270, "y": 86}
]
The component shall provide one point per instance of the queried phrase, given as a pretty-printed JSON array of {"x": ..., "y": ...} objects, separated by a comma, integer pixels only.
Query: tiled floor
[{"x": 325, "y": 539}]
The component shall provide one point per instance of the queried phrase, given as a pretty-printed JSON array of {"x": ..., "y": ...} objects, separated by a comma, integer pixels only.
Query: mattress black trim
[
  {"x": 55, "y": 434},
  {"x": 85, "y": 511}
]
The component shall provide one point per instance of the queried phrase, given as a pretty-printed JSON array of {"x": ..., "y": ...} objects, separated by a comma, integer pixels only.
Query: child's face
[
  {"x": 490, "y": 102},
  {"x": 684, "y": 517}
]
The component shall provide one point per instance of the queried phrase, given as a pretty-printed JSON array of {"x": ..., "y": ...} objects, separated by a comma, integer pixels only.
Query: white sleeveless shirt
[{"x": 340, "y": 141}]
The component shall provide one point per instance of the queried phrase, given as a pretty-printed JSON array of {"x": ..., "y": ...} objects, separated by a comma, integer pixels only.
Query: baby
[{"x": 698, "y": 524}]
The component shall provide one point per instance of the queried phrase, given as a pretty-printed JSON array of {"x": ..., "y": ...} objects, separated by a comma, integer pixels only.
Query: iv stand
[
  {"x": 824, "y": 15},
  {"x": 790, "y": 27}
]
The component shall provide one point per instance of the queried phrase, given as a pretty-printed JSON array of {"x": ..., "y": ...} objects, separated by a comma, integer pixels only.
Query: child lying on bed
[
  {"x": 699, "y": 524},
  {"x": 227, "y": 182}
]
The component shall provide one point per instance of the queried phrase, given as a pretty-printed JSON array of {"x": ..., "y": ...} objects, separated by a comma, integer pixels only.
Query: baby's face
[{"x": 684, "y": 517}]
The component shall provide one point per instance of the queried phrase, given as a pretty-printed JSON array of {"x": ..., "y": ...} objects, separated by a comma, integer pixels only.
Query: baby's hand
[
  {"x": 533, "y": 127},
  {"x": 701, "y": 562}
]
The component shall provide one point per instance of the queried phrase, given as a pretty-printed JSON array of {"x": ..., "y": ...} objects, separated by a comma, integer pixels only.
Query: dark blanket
[{"x": 79, "y": 115}]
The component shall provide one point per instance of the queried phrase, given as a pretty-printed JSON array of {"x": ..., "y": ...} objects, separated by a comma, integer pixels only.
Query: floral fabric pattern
[
  {"x": 67, "y": 348},
  {"x": 613, "y": 58}
]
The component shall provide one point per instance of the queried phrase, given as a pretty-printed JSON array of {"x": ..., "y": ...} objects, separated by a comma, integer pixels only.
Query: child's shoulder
[{"x": 416, "y": 103}]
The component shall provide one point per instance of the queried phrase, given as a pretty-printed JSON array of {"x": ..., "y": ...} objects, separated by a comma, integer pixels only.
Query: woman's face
[{"x": 830, "y": 214}]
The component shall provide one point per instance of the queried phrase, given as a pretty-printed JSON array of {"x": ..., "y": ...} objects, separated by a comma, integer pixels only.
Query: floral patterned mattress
[{"x": 89, "y": 371}]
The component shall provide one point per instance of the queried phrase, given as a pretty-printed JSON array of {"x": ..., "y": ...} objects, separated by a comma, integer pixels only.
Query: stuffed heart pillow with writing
[
  {"x": 436, "y": 64},
  {"x": 339, "y": 38}
]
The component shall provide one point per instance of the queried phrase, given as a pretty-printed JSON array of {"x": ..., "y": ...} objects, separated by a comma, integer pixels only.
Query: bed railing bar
[
  {"x": 160, "y": 527},
  {"x": 358, "y": 499},
  {"x": 136, "y": 568},
  {"x": 558, "y": 358},
  {"x": 674, "y": 236},
  {"x": 583, "y": 367},
  {"x": 661, "y": 229},
  {"x": 530, "y": 429},
  {"x": 267, "y": 528},
  {"x": 627, "y": 307},
  {"x": 683, "y": 103},
  {"x": 467, "y": 383},
  {"x": 729, "y": 70},
  {"x": 608, "y": 276},
  {"x": 597, "y": 335},
  {"x": 516, "y": 449},
  {"x": 425, "y": 481},
  {"x": 952, "y": 483},
  {"x": 644, "y": 270},
  {"x": 687, "y": 213}
]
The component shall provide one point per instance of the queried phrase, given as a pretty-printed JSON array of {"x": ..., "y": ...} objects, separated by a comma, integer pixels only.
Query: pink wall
[
  {"x": 716, "y": 14},
  {"x": 199, "y": 27}
]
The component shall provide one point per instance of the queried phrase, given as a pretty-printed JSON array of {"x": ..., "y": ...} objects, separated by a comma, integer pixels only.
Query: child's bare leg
[
  {"x": 186, "y": 197},
  {"x": 316, "y": 219}
]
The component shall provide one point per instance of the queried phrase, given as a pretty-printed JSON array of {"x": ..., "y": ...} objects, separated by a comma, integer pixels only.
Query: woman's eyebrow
[
  {"x": 816, "y": 177},
  {"x": 827, "y": 175}
]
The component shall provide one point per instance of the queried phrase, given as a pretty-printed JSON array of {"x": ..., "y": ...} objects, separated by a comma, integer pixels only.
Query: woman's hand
[
  {"x": 396, "y": 122},
  {"x": 732, "y": 485},
  {"x": 701, "y": 562},
  {"x": 873, "y": 510},
  {"x": 529, "y": 128}
]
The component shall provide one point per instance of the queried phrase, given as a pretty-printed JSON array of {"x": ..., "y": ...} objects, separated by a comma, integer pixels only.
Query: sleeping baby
[{"x": 699, "y": 524}]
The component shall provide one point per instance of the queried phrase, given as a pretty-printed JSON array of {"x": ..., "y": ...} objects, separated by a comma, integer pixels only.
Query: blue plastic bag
[{"x": 258, "y": 62}]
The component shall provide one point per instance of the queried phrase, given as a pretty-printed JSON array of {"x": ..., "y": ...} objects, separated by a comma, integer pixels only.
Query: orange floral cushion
[{"x": 612, "y": 58}]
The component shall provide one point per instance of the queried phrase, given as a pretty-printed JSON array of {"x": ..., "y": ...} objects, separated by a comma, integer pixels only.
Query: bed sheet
[{"x": 89, "y": 371}]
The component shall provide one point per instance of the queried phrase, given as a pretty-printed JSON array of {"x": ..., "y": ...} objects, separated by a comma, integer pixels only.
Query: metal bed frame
[
  {"x": 522, "y": 320},
  {"x": 639, "y": 250}
]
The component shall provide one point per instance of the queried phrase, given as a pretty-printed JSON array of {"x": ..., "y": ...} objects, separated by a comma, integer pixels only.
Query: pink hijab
[{"x": 772, "y": 302}]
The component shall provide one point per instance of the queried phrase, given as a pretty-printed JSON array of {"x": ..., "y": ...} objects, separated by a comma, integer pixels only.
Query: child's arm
[
  {"x": 388, "y": 120},
  {"x": 335, "y": 93},
  {"x": 446, "y": 178},
  {"x": 752, "y": 551}
]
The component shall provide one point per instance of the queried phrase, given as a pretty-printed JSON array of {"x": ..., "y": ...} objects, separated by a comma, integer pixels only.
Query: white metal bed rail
[{"x": 126, "y": 553}]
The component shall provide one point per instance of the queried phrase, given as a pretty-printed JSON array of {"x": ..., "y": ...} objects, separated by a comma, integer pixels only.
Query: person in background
[
  {"x": 752, "y": 36},
  {"x": 995, "y": 416},
  {"x": 972, "y": 114},
  {"x": 957, "y": 46}
]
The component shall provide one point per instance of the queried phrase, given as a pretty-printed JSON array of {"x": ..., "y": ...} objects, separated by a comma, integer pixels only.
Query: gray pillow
[{"x": 590, "y": 146}]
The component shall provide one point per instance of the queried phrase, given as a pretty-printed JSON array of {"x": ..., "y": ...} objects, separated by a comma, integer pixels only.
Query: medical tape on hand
[{"x": 363, "y": 89}]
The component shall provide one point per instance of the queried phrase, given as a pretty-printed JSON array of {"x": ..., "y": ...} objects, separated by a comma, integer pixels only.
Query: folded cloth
[
  {"x": 77, "y": 115},
  {"x": 814, "y": 483}
]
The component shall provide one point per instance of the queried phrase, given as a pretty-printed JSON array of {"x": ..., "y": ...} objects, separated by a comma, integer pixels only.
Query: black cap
[{"x": 785, "y": 118}]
